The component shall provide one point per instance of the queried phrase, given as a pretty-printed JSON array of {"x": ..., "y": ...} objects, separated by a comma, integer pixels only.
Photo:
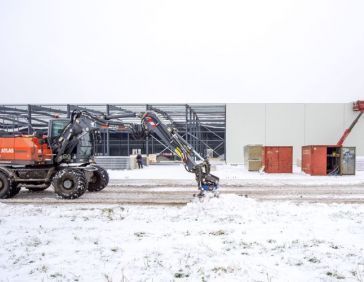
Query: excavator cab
[
  {"x": 84, "y": 151},
  {"x": 56, "y": 126}
]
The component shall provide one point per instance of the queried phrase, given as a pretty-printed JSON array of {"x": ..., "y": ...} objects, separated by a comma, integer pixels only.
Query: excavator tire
[
  {"x": 5, "y": 186},
  {"x": 69, "y": 183},
  {"x": 15, "y": 189},
  {"x": 99, "y": 180}
]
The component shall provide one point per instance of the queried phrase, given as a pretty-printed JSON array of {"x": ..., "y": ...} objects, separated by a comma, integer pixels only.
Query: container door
[
  {"x": 285, "y": 159},
  {"x": 271, "y": 161},
  {"x": 347, "y": 161},
  {"x": 319, "y": 160},
  {"x": 306, "y": 159}
]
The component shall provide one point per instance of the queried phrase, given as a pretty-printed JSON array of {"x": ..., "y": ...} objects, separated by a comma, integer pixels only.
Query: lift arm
[
  {"x": 359, "y": 107},
  {"x": 348, "y": 130}
]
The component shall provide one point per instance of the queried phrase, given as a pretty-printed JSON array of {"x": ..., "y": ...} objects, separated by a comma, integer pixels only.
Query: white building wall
[
  {"x": 245, "y": 124},
  {"x": 324, "y": 123},
  {"x": 284, "y": 123},
  {"x": 289, "y": 124}
]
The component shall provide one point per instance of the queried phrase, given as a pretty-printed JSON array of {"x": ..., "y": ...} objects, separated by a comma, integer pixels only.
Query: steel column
[{"x": 30, "y": 128}]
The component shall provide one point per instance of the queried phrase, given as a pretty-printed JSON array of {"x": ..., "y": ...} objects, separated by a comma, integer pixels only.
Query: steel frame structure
[{"x": 202, "y": 125}]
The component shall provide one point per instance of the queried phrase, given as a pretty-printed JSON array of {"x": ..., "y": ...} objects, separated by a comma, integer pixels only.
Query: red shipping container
[
  {"x": 278, "y": 159},
  {"x": 320, "y": 159}
]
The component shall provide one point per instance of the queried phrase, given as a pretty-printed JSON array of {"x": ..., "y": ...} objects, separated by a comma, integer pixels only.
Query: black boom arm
[
  {"x": 83, "y": 122},
  {"x": 192, "y": 160}
]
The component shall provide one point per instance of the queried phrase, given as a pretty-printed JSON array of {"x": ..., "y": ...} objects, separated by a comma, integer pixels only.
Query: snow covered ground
[
  {"x": 231, "y": 238},
  {"x": 227, "y": 239},
  {"x": 237, "y": 175}
]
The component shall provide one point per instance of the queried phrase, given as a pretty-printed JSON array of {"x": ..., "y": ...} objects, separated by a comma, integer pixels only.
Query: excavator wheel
[
  {"x": 5, "y": 186},
  {"x": 69, "y": 183},
  {"x": 15, "y": 189},
  {"x": 99, "y": 180}
]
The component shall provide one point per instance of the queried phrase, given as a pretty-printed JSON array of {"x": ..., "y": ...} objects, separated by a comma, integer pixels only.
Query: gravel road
[{"x": 179, "y": 192}]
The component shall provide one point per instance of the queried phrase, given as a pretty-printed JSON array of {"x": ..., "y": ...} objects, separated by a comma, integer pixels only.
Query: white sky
[{"x": 181, "y": 51}]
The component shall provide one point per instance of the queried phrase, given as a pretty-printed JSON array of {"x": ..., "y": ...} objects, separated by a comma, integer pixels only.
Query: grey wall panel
[
  {"x": 324, "y": 123},
  {"x": 284, "y": 124},
  {"x": 245, "y": 124}
]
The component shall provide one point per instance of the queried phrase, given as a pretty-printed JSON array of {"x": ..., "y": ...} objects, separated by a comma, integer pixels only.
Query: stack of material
[
  {"x": 360, "y": 163},
  {"x": 209, "y": 153},
  {"x": 152, "y": 158},
  {"x": 117, "y": 162},
  {"x": 133, "y": 164},
  {"x": 253, "y": 157}
]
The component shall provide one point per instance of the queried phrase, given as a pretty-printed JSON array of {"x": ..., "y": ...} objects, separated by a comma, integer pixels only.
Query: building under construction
[
  {"x": 218, "y": 130},
  {"x": 203, "y": 126}
]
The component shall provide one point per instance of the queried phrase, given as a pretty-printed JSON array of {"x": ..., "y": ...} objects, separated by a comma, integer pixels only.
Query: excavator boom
[
  {"x": 83, "y": 122},
  {"x": 192, "y": 160},
  {"x": 358, "y": 106}
]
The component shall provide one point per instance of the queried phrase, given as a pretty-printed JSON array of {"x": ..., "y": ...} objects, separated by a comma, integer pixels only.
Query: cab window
[{"x": 57, "y": 126}]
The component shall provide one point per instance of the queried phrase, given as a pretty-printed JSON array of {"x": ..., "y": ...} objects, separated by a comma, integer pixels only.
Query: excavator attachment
[{"x": 206, "y": 181}]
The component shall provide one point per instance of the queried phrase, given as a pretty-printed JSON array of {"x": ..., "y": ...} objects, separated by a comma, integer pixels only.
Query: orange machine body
[{"x": 24, "y": 150}]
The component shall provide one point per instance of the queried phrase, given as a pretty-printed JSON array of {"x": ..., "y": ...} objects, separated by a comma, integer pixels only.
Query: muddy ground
[{"x": 179, "y": 192}]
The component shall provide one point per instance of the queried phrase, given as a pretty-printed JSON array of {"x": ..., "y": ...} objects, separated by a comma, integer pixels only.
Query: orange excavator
[{"x": 35, "y": 161}]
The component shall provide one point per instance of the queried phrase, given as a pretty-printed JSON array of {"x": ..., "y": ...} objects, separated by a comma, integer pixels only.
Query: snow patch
[
  {"x": 237, "y": 175},
  {"x": 230, "y": 238}
]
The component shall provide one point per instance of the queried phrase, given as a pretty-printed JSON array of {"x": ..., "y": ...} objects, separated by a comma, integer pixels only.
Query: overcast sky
[{"x": 181, "y": 51}]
